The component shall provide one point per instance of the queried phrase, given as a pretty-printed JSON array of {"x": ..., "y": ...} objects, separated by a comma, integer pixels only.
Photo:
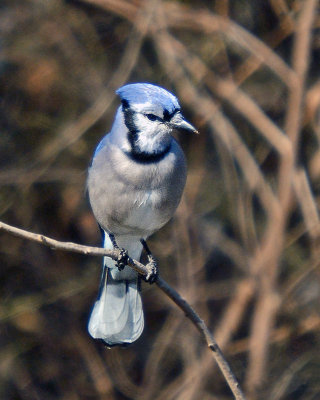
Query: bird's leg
[
  {"x": 152, "y": 265},
  {"x": 123, "y": 254}
]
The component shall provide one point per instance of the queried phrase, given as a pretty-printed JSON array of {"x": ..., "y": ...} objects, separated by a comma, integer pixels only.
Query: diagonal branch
[{"x": 162, "y": 284}]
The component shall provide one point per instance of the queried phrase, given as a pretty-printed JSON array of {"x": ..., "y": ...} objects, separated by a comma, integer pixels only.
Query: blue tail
[{"x": 117, "y": 315}]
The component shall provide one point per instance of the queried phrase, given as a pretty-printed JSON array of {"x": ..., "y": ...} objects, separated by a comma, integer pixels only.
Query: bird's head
[{"x": 150, "y": 114}]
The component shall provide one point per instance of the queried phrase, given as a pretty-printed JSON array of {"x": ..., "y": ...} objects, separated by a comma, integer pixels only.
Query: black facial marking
[
  {"x": 136, "y": 153},
  {"x": 125, "y": 103},
  {"x": 130, "y": 124},
  {"x": 152, "y": 117},
  {"x": 168, "y": 115},
  {"x": 129, "y": 117}
]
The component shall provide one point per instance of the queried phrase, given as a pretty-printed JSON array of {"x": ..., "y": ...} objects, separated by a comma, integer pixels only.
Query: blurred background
[{"x": 243, "y": 247}]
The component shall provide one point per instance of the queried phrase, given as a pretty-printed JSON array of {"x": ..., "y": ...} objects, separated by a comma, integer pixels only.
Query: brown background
[{"x": 243, "y": 247}]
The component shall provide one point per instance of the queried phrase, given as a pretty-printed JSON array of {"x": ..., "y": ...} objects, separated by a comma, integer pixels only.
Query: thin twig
[
  {"x": 162, "y": 284},
  {"x": 203, "y": 329},
  {"x": 70, "y": 246},
  {"x": 266, "y": 261}
]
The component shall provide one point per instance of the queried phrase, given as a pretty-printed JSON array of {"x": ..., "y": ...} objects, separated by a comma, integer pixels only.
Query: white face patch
[{"x": 153, "y": 135}]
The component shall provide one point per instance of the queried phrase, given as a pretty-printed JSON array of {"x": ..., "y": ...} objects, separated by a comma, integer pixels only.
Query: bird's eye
[{"x": 151, "y": 117}]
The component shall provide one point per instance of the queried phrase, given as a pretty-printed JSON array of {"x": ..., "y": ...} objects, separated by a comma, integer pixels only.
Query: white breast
[{"x": 146, "y": 214}]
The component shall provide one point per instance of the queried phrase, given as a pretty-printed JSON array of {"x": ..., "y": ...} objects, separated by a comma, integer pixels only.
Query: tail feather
[{"x": 117, "y": 315}]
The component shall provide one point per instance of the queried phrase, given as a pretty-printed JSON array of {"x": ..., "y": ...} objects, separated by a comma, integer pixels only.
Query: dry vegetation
[{"x": 243, "y": 248}]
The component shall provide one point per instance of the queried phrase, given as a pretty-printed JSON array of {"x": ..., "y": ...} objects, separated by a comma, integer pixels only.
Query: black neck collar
[{"x": 143, "y": 157}]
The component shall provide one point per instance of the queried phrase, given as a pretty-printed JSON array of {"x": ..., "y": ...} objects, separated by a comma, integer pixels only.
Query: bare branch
[
  {"x": 69, "y": 246},
  {"x": 266, "y": 260},
  {"x": 162, "y": 284}
]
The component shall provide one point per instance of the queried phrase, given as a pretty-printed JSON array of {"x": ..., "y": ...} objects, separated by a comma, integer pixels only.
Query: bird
[{"x": 135, "y": 182}]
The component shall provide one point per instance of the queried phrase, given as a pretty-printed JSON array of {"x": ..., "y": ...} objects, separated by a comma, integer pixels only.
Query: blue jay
[{"x": 135, "y": 183}]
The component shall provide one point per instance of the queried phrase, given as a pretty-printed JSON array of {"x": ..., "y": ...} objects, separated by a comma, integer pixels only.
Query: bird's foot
[
  {"x": 123, "y": 257},
  {"x": 151, "y": 266}
]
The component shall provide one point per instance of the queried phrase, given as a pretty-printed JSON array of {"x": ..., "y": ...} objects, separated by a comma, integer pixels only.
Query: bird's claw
[
  {"x": 122, "y": 260},
  {"x": 152, "y": 268},
  {"x": 123, "y": 257}
]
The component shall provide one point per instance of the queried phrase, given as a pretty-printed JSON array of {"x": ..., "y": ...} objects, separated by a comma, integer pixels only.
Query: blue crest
[{"x": 146, "y": 93}]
